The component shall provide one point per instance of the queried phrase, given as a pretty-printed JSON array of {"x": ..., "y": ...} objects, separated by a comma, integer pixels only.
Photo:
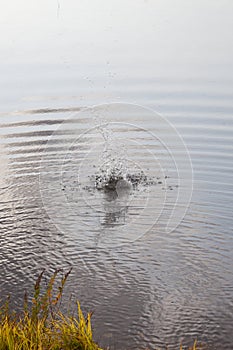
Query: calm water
[{"x": 148, "y": 285}]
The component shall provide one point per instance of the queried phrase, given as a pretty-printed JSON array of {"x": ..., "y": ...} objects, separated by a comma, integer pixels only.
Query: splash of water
[
  {"x": 115, "y": 169},
  {"x": 113, "y": 162}
]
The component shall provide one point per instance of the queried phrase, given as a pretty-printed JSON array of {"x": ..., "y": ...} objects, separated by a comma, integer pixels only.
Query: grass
[
  {"x": 194, "y": 347},
  {"x": 42, "y": 326}
]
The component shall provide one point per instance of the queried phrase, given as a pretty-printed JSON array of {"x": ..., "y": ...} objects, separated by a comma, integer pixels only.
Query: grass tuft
[{"x": 41, "y": 325}]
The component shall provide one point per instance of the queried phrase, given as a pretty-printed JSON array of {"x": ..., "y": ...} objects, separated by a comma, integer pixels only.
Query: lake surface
[{"x": 145, "y": 87}]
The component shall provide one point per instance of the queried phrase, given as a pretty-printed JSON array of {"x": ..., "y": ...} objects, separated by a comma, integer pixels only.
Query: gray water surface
[{"x": 148, "y": 287}]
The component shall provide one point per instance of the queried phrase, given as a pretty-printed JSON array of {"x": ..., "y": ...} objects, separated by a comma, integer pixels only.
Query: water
[{"x": 148, "y": 283}]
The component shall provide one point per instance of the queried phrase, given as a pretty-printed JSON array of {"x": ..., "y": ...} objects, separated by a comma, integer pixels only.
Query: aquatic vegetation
[
  {"x": 42, "y": 326},
  {"x": 194, "y": 347}
]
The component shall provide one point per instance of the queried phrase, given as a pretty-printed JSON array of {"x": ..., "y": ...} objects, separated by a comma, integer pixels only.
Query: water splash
[{"x": 115, "y": 170}]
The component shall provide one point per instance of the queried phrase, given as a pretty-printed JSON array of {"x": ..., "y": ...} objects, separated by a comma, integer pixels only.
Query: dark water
[{"x": 149, "y": 281}]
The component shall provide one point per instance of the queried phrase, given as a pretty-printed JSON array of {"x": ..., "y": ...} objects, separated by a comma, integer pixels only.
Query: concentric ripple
[{"x": 117, "y": 147}]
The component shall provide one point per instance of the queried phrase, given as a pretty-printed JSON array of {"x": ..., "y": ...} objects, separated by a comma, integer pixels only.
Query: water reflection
[{"x": 116, "y": 206}]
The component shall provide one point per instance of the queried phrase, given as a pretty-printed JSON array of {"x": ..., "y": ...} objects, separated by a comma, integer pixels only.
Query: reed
[
  {"x": 194, "y": 347},
  {"x": 42, "y": 326}
]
